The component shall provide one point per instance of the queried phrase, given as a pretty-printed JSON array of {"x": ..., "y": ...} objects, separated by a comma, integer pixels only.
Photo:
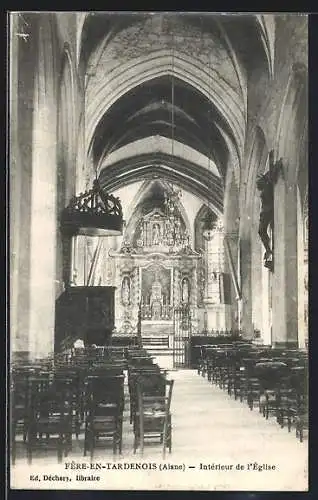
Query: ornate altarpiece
[{"x": 155, "y": 272}]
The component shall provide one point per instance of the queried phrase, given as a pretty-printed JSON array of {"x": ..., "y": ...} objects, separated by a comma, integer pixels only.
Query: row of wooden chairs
[
  {"x": 275, "y": 380},
  {"x": 58, "y": 398},
  {"x": 51, "y": 401}
]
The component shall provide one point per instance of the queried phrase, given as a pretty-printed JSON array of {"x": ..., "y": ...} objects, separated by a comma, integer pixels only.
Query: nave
[{"x": 158, "y": 213}]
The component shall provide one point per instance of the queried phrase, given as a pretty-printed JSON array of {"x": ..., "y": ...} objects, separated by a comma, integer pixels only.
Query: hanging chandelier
[
  {"x": 209, "y": 221},
  {"x": 93, "y": 213},
  {"x": 176, "y": 233}
]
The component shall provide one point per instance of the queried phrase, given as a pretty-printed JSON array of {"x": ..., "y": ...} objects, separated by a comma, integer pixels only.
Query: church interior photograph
[{"x": 158, "y": 243}]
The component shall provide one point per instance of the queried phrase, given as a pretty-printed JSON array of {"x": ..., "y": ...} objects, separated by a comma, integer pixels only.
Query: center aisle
[{"x": 211, "y": 430}]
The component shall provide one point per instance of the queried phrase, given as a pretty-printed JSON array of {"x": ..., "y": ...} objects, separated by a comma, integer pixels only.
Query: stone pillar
[
  {"x": 216, "y": 311},
  {"x": 257, "y": 268},
  {"x": 23, "y": 64},
  {"x": 266, "y": 294},
  {"x": 291, "y": 262},
  {"x": 246, "y": 287},
  {"x": 43, "y": 204},
  {"x": 301, "y": 257},
  {"x": 15, "y": 185},
  {"x": 285, "y": 276}
]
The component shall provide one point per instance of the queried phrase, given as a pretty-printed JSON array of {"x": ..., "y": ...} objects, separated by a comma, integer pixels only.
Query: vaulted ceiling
[{"x": 196, "y": 119}]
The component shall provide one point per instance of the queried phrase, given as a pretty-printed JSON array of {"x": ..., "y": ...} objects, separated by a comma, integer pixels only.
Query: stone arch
[
  {"x": 81, "y": 19},
  {"x": 256, "y": 165},
  {"x": 137, "y": 207},
  {"x": 66, "y": 159},
  {"x": 292, "y": 122},
  {"x": 186, "y": 174},
  {"x": 66, "y": 125},
  {"x": 203, "y": 213},
  {"x": 266, "y": 25},
  {"x": 161, "y": 63},
  {"x": 286, "y": 217}
]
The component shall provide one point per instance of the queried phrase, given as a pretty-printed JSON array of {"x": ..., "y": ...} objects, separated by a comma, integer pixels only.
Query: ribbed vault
[
  {"x": 187, "y": 175},
  {"x": 143, "y": 82}
]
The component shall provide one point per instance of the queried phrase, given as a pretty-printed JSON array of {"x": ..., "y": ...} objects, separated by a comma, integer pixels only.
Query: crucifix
[{"x": 265, "y": 184}]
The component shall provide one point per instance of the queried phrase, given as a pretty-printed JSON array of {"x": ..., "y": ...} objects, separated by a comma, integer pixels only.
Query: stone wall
[
  {"x": 275, "y": 112},
  {"x": 42, "y": 169}
]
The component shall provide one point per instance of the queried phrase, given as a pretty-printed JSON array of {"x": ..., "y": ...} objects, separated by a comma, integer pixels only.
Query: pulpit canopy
[{"x": 93, "y": 213}]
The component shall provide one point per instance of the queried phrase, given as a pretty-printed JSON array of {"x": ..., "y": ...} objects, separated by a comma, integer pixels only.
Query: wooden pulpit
[{"x": 86, "y": 312}]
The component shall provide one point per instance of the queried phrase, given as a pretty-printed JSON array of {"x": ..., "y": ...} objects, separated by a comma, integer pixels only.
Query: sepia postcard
[{"x": 158, "y": 176}]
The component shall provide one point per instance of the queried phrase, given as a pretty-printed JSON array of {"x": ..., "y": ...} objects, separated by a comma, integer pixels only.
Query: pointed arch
[
  {"x": 162, "y": 63},
  {"x": 292, "y": 122},
  {"x": 256, "y": 164},
  {"x": 203, "y": 213}
]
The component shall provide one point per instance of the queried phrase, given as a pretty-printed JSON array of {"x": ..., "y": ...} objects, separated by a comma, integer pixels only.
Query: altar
[
  {"x": 156, "y": 271},
  {"x": 156, "y": 292}
]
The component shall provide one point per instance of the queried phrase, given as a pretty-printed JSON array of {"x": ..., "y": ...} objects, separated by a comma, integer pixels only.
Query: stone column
[
  {"x": 43, "y": 204},
  {"x": 246, "y": 287},
  {"x": 256, "y": 270},
  {"x": 301, "y": 257},
  {"x": 285, "y": 276},
  {"x": 15, "y": 186},
  {"x": 214, "y": 255},
  {"x": 23, "y": 65}
]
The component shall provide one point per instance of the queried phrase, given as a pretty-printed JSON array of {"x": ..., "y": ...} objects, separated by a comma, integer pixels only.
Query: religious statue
[
  {"x": 185, "y": 290},
  {"x": 126, "y": 291},
  {"x": 140, "y": 241},
  {"x": 214, "y": 275},
  {"x": 265, "y": 184},
  {"x": 155, "y": 234}
]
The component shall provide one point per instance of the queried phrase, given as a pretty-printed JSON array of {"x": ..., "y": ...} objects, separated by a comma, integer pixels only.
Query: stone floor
[{"x": 218, "y": 444}]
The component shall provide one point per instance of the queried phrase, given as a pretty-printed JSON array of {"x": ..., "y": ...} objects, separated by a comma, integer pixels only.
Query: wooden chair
[
  {"x": 296, "y": 406},
  {"x": 50, "y": 421},
  {"x": 153, "y": 417},
  {"x": 70, "y": 376},
  {"x": 104, "y": 414},
  {"x": 19, "y": 412},
  {"x": 273, "y": 377},
  {"x": 133, "y": 374},
  {"x": 21, "y": 385}
]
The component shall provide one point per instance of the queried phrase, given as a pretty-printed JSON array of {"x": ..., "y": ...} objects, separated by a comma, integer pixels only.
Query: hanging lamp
[
  {"x": 209, "y": 222},
  {"x": 94, "y": 212}
]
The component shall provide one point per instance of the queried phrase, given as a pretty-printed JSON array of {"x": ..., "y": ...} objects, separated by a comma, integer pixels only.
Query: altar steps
[{"x": 155, "y": 341}]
